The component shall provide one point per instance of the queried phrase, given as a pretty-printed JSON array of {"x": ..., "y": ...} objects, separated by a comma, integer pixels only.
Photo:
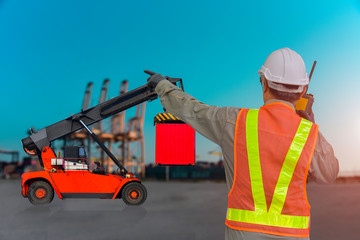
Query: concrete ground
[{"x": 175, "y": 211}]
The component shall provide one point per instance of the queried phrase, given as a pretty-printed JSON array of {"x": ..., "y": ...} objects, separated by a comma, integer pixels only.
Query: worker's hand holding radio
[
  {"x": 154, "y": 79},
  {"x": 309, "y": 116}
]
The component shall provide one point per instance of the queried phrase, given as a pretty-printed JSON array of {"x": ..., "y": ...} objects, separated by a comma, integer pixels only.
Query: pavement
[{"x": 174, "y": 210}]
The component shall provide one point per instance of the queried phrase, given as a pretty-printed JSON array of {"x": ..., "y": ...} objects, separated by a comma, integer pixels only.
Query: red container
[{"x": 175, "y": 144}]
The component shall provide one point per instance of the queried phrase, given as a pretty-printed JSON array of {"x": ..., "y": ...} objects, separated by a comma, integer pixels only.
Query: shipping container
[{"x": 175, "y": 142}]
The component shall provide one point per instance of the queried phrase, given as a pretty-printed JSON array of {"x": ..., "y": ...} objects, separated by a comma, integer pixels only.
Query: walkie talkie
[{"x": 306, "y": 101}]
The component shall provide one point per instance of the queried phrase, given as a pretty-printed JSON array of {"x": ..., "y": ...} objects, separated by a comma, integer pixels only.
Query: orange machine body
[{"x": 75, "y": 183}]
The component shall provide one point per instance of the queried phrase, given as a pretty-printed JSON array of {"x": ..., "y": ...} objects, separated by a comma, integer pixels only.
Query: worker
[{"x": 268, "y": 152}]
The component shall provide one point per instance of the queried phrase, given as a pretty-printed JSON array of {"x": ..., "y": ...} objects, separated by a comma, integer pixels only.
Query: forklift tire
[
  {"x": 134, "y": 193},
  {"x": 40, "y": 192}
]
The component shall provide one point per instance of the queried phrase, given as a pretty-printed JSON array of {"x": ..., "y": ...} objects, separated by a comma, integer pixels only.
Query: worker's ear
[{"x": 266, "y": 86}]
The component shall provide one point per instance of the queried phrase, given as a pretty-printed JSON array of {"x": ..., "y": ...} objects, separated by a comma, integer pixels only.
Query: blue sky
[{"x": 49, "y": 50}]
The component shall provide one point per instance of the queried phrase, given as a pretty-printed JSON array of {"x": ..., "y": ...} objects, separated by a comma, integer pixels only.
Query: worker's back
[{"x": 273, "y": 148}]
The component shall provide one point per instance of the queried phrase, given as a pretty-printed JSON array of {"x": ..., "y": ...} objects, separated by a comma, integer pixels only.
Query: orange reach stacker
[{"x": 74, "y": 176}]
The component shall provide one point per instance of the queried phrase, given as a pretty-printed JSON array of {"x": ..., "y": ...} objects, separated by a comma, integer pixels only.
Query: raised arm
[{"x": 207, "y": 120}]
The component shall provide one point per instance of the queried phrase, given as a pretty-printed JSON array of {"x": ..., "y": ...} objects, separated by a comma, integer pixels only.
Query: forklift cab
[
  {"x": 74, "y": 153},
  {"x": 75, "y": 159},
  {"x": 77, "y": 155}
]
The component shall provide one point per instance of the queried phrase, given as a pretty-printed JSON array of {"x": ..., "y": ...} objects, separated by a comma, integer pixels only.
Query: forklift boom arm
[{"x": 42, "y": 138}]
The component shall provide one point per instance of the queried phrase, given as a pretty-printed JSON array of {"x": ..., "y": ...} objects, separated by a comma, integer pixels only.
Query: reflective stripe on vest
[{"x": 273, "y": 217}]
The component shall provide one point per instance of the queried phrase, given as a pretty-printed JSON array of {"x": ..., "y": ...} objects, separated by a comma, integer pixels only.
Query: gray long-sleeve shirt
[{"x": 218, "y": 125}]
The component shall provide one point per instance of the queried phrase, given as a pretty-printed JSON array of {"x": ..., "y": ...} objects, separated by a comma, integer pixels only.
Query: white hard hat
[{"x": 285, "y": 66}]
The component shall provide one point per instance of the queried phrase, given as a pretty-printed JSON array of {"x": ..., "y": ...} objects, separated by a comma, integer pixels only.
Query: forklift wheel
[
  {"x": 134, "y": 193},
  {"x": 40, "y": 192}
]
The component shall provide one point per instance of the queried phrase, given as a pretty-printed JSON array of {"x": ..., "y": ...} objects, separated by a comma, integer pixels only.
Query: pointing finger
[{"x": 149, "y": 72}]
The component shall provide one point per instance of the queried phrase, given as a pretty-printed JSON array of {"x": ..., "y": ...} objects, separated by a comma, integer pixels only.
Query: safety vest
[{"x": 273, "y": 149}]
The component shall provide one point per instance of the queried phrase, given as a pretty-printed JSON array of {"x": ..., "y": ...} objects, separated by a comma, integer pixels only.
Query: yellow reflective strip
[
  {"x": 252, "y": 145},
  {"x": 158, "y": 118},
  {"x": 161, "y": 116},
  {"x": 268, "y": 219},
  {"x": 166, "y": 115},
  {"x": 288, "y": 168},
  {"x": 177, "y": 118},
  {"x": 171, "y": 116}
]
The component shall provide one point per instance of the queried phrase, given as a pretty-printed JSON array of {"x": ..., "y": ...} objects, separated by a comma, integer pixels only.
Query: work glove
[
  {"x": 309, "y": 116},
  {"x": 154, "y": 79}
]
